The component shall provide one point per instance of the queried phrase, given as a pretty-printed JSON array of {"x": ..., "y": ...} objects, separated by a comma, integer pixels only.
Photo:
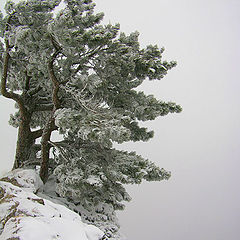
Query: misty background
[{"x": 200, "y": 146}]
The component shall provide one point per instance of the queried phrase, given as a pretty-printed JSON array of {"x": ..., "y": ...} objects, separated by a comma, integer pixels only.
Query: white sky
[{"x": 200, "y": 146}]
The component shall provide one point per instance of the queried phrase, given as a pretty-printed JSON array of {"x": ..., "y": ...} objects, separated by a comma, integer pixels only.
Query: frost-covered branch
[
  {"x": 35, "y": 90},
  {"x": 87, "y": 55},
  {"x": 4, "y": 91}
]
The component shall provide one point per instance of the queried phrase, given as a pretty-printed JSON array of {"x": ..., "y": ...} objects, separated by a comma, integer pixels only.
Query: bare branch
[{"x": 11, "y": 95}]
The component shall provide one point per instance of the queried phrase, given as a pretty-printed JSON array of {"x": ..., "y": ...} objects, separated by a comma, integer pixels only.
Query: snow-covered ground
[{"x": 25, "y": 216}]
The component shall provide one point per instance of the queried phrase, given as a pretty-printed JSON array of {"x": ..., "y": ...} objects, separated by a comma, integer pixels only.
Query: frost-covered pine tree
[{"x": 68, "y": 73}]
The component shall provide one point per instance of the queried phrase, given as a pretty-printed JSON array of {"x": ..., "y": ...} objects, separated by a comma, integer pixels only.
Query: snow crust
[{"x": 25, "y": 216}]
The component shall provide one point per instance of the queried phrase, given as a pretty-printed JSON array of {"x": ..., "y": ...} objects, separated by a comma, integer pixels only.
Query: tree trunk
[
  {"x": 45, "y": 148},
  {"x": 25, "y": 141},
  {"x": 50, "y": 125}
]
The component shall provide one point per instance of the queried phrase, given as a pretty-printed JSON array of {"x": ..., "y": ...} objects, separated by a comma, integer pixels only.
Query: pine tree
[{"x": 69, "y": 73}]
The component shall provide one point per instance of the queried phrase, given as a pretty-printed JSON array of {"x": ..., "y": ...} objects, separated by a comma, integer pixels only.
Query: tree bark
[
  {"x": 25, "y": 141},
  {"x": 45, "y": 148},
  {"x": 50, "y": 125}
]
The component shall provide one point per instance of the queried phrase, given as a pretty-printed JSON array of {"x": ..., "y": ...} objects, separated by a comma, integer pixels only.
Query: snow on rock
[
  {"x": 25, "y": 216},
  {"x": 24, "y": 178}
]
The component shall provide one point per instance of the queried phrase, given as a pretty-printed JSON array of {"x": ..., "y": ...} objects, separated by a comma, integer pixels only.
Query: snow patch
[
  {"x": 26, "y": 178},
  {"x": 26, "y": 216}
]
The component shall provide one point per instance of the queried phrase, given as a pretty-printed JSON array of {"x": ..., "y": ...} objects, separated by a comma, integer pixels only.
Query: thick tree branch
[
  {"x": 4, "y": 91},
  {"x": 11, "y": 95},
  {"x": 60, "y": 143},
  {"x": 37, "y": 134}
]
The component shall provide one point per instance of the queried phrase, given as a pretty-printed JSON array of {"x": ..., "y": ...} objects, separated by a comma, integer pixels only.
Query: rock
[
  {"x": 27, "y": 179},
  {"x": 25, "y": 216}
]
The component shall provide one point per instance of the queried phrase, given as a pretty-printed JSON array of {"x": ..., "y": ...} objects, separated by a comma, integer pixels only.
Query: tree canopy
[{"x": 69, "y": 73}]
